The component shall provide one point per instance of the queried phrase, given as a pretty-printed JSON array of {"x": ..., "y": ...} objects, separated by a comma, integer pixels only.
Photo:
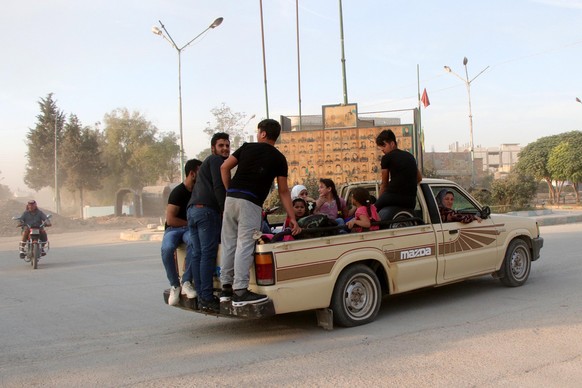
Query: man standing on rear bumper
[
  {"x": 204, "y": 221},
  {"x": 258, "y": 165}
]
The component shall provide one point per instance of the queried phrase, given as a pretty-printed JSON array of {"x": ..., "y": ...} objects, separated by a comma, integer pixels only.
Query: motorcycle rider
[{"x": 33, "y": 217}]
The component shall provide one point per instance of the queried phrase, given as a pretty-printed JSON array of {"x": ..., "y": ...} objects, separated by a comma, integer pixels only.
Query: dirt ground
[{"x": 60, "y": 224}]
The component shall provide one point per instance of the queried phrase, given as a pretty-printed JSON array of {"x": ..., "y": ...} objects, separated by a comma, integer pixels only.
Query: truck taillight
[{"x": 264, "y": 269}]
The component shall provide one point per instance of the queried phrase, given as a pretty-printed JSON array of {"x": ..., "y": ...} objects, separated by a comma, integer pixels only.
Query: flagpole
[{"x": 419, "y": 149}]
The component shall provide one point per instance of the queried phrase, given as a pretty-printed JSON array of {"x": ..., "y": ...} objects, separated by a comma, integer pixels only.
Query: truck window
[{"x": 460, "y": 202}]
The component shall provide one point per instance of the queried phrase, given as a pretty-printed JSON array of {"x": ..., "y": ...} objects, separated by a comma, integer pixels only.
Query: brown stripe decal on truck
[
  {"x": 304, "y": 271},
  {"x": 468, "y": 240}
]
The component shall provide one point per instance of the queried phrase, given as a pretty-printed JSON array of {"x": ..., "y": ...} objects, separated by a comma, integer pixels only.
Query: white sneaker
[
  {"x": 174, "y": 298},
  {"x": 188, "y": 290}
]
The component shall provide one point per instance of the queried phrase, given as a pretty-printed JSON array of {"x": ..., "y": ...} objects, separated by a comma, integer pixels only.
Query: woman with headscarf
[
  {"x": 445, "y": 199},
  {"x": 300, "y": 191}
]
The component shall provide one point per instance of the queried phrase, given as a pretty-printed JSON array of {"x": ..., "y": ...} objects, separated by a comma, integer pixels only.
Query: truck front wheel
[
  {"x": 356, "y": 296},
  {"x": 517, "y": 264}
]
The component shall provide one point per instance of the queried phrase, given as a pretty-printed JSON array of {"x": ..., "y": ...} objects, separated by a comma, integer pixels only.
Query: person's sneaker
[
  {"x": 212, "y": 305},
  {"x": 188, "y": 290},
  {"x": 174, "y": 298},
  {"x": 226, "y": 293},
  {"x": 248, "y": 297}
]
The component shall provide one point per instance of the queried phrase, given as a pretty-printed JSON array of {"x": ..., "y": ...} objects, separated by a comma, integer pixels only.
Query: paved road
[{"x": 93, "y": 315}]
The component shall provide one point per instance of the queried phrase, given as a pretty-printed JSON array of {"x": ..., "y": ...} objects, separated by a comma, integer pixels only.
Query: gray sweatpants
[{"x": 240, "y": 221}]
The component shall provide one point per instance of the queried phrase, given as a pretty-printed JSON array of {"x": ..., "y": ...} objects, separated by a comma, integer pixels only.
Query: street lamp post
[
  {"x": 57, "y": 194},
  {"x": 345, "y": 86},
  {"x": 468, "y": 84},
  {"x": 169, "y": 39}
]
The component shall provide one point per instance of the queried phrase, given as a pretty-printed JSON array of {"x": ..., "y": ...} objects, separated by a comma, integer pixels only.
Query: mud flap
[{"x": 325, "y": 318}]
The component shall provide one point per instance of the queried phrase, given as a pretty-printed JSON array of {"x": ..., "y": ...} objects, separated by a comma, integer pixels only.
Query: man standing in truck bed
[{"x": 258, "y": 165}]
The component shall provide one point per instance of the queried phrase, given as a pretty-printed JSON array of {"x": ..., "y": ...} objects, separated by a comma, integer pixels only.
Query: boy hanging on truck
[{"x": 258, "y": 165}]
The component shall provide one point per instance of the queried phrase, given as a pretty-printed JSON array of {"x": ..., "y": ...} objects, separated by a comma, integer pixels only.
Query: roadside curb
[
  {"x": 141, "y": 235},
  {"x": 558, "y": 219}
]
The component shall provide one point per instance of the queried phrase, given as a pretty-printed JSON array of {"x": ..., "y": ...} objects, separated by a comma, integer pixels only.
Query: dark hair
[
  {"x": 386, "y": 136},
  {"x": 271, "y": 127},
  {"x": 192, "y": 165},
  {"x": 329, "y": 183},
  {"x": 217, "y": 136},
  {"x": 363, "y": 197},
  {"x": 299, "y": 199}
]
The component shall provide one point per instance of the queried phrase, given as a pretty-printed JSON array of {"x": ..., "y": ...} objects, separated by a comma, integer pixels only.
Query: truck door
[{"x": 465, "y": 249}]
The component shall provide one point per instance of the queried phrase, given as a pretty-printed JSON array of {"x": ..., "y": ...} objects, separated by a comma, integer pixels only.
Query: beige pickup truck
[{"x": 344, "y": 277}]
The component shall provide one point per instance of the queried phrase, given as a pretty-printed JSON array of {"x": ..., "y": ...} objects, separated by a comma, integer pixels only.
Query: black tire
[
  {"x": 516, "y": 265},
  {"x": 356, "y": 296},
  {"x": 35, "y": 255}
]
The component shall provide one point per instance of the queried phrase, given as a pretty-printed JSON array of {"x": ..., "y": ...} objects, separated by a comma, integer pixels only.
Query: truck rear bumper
[{"x": 250, "y": 311}]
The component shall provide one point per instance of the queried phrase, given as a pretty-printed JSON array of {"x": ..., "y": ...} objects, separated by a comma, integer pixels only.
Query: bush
[{"x": 515, "y": 191}]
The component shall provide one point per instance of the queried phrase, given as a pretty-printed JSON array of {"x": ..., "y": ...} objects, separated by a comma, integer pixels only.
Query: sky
[{"x": 98, "y": 56}]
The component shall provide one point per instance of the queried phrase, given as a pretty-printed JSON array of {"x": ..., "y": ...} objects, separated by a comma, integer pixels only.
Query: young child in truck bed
[
  {"x": 300, "y": 208},
  {"x": 365, "y": 212}
]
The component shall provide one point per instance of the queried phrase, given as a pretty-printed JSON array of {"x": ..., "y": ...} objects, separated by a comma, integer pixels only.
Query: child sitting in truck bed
[
  {"x": 300, "y": 209},
  {"x": 365, "y": 212}
]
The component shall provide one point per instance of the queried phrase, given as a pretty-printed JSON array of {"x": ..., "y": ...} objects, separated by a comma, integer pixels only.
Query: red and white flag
[{"x": 424, "y": 98}]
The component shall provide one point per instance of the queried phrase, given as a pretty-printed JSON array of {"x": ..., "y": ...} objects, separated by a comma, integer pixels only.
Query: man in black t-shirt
[
  {"x": 204, "y": 221},
  {"x": 258, "y": 165},
  {"x": 176, "y": 233},
  {"x": 400, "y": 176}
]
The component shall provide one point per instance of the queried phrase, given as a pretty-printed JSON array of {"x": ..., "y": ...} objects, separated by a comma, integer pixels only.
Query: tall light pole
[
  {"x": 298, "y": 60},
  {"x": 468, "y": 84},
  {"x": 341, "y": 16},
  {"x": 264, "y": 58},
  {"x": 57, "y": 199},
  {"x": 169, "y": 39}
]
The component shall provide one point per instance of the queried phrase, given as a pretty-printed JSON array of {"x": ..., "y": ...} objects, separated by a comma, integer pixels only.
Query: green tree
[
  {"x": 564, "y": 162},
  {"x": 168, "y": 167},
  {"x": 40, "y": 169},
  {"x": 534, "y": 158},
  {"x": 225, "y": 120},
  {"x": 516, "y": 190},
  {"x": 82, "y": 159},
  {"x": 136, "y": 154},
  {"x": 533, "y": 161}
]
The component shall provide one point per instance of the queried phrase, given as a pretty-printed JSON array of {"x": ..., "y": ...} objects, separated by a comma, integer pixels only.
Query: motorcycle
[{"x": 34, "y": 248}]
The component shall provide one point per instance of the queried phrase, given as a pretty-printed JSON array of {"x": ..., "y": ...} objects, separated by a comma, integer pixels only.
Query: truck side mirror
[{"x": 485, "y": 212}]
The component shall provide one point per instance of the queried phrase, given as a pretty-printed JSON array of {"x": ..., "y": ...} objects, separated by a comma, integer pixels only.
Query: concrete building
[{"x": 498, "y": 161}]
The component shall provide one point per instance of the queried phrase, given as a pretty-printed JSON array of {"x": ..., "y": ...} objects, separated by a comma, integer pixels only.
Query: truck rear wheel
[{"x": 356, "y": 297}]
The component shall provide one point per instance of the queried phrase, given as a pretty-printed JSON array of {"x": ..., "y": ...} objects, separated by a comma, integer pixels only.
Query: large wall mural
[{"x": 344, "y": 155}]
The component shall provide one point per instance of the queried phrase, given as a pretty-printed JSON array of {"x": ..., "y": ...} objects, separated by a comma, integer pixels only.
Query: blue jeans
[
  {"x": 204, "y": 224},
  {"x": 172, "y": 238},
  {"x": 241, "y": 220}
]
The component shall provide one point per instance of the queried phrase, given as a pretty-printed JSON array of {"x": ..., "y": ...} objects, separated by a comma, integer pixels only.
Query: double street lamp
[
  {"x": 468, "y": 84},
  {"x": 169, "y": 39}
]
